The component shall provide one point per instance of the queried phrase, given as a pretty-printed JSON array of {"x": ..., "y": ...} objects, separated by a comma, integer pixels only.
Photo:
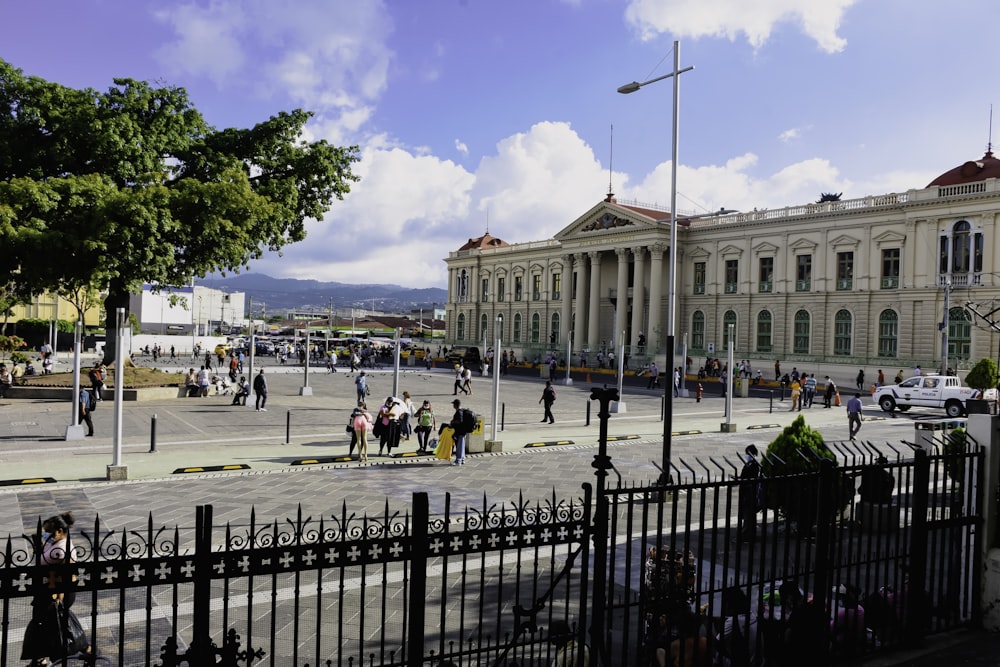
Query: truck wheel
[
  {"x": 887, "y": 404},
  {"x": 954, "y": 409}
]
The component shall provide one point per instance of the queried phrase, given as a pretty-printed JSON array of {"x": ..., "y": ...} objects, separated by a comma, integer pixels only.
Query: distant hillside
[{"x": 291, "y": 294}]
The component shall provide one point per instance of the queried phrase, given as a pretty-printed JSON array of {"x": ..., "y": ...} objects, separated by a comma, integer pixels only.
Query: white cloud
[
  {"x": 208, "y": 40},
  {"x": 789, "y": 135},
  {"x": 819, "y": 20},
  {"x": 330, "y": 56},
  {"x": 461, "y": 147}
]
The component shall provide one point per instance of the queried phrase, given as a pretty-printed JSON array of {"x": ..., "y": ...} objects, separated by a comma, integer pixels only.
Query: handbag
[{"x": 74, "y": 639}]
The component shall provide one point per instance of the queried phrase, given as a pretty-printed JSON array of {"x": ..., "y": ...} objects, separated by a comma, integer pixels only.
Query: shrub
[
  {"x": 799, "y": 450},
  {"x": 984, "y": 375}
]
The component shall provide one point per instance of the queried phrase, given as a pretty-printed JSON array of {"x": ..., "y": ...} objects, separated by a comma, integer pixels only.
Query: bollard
[
  {"x": 288, "y": 428},
  {"x": 588, "y": 414},
  {"x": 770, "y": 403},
  {"x": 503, "y": 414},
  {"x": 152, "y": 434}
]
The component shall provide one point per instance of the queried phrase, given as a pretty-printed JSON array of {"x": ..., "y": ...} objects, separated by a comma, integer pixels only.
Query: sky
[{"x": 503, "y": 115}]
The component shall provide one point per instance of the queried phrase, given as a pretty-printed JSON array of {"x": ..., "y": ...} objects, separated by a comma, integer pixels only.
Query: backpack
[{"x": 469, "y": 420}]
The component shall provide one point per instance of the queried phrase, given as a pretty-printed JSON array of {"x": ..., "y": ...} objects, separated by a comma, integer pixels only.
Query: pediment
[
  {"x": 890, "y": 237},
  {"x": 845, "y": 240},
  {"x": 803, "y": 244},
  {"x": 607, "y": 219},
  {"x": 730, "y": 250},
  {"x": 765, "y": 248},
  {"x": 699, "y": 253}
]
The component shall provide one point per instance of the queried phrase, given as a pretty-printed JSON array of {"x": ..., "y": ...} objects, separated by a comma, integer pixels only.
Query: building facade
[{"x": 875, "y": 281}]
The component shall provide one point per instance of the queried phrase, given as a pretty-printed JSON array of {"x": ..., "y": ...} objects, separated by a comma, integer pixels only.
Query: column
[
  {"x": 594, "y": 309},
  {"x": 638, "y": 296},
  {"x": 656, "y": 338},
  {"x": 621, "y": 310},
  {"x": 566, "y": 312},
  {"x": 580, "y": 321}
]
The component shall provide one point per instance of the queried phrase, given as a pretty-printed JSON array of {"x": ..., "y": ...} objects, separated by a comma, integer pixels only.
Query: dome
[
  {"x": 970, "y": 172},
  {"x": 484, "y": 241}
]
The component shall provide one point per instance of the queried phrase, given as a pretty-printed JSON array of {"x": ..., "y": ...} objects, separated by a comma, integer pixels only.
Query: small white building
[{"x": 186, "y": 310}]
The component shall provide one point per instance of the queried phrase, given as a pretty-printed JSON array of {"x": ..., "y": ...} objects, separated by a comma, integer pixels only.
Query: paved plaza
[{"x": 205, "y": 432}]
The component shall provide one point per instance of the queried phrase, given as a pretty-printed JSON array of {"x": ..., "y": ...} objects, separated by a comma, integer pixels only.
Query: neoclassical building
[{"x": 861, "y": 282}]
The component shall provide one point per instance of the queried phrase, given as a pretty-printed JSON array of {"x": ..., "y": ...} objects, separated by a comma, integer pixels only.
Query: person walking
[
  {"x": 881, "y": 378},
  {"x": 467, "y": 381},
  {"x": 260, "y": 388},
  {"x": 854, "y": 415},
  {"x": 426, "y": 424},
  {"x": 677, "y": 382},
  {"x": 860, "y": 380},
  {"x": 828, "y": 393},
  {"x": 459, "y": 373},
  {"x": 547, "y": 399},
  {"x": 809, "y": 391},
  {"x": 86, "y": 404},
  {"x": 796, "y": 395},
  {"x": 654, "y": 376},
  {"x": 361, "y": 384}
]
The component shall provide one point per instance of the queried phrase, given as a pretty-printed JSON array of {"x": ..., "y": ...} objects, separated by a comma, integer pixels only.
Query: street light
[{"x": 672, "y": 269}]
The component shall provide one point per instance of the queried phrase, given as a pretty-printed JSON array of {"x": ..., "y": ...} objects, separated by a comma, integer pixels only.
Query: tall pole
[
  {"x": 253, "y": 345},
  {"x": 729, "y": 379},
  {"x": 944, "y": 326},
  {"x": 395, "y": 367},
  {"x": 329, "y": 324},
  {"x": 672, "y": 268},
  {"x": 569, "y": 359},
  {"x": 75, "y": 429},
  {"x": 496, "y": 383},
  {"x": 117, "y": 471}
]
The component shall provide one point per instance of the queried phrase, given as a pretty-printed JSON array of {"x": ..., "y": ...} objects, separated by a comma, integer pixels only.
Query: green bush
[
  {"x": 799, "y": 446},
  {"x": 984, "y": 375},
  {"x": 798, "y": 450}
]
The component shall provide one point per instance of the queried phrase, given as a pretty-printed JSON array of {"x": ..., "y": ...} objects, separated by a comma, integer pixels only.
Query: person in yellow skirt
[{"x": 446, "y": 442}]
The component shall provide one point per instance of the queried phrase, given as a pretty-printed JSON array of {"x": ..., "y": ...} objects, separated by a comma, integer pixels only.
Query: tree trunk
[{"x": 117, "y": 298}]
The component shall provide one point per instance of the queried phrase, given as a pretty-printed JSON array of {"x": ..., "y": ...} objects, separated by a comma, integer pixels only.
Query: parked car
[
  {"x": 930, "y": 391},
  {"x": 467, "y": 356}
]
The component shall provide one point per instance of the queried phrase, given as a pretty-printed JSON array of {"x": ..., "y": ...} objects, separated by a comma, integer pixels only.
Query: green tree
[
  {"x": 984, "y": 374},
  {"x": 132, "y": 186}
]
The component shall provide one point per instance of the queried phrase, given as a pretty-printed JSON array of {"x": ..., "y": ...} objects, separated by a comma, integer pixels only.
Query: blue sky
[{"x": 499, "y": 112}]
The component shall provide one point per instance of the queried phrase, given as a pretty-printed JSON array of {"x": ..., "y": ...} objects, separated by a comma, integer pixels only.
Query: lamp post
[{"x": 672, "y": 268}]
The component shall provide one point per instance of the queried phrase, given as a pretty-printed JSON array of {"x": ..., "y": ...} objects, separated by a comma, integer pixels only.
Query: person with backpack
[
  {"x": 547, "y": 399},
  {"x": 463, "y": 422},
  {"x": 87, "y": 404}
]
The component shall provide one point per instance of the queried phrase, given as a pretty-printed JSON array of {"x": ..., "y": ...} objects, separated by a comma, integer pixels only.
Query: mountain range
[{"x": 287, "y": 294}]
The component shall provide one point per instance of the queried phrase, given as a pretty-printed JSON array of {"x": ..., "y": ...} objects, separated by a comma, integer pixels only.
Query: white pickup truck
[{"x": 929, "y": 391}]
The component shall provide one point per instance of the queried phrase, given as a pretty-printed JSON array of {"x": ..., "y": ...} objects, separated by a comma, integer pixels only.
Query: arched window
[
  {"x": 727, "y": 319},
  {"x": 698, "y": 330},
  {"x": 517, "y": 328},
  {"x": 959, "y": 334},
  {"x": 460, "y": 331},
  {"x": 536, "y": 325},
  {"x": 463, "y": 286},
  {"x": 842, "y": 322},
  {"x": 802, "y": 326},
  {"x": 763, "y": 331},
  {"x": 888, "y": 333},
  {"x": 554, "y": 329},
  {"x": 961, "y": 254}
]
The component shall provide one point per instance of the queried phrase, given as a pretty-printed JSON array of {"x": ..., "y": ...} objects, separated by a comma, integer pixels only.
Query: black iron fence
[{"x": 867, "y": 554}]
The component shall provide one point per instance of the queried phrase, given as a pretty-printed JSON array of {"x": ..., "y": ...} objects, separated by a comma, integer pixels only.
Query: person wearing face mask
[{"x": 54, "y": 631}]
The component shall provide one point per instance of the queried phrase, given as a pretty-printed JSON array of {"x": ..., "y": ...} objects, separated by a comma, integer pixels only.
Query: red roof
[
  {"x": 970, "y": 172},
  {"x": 484, "y": 241}
]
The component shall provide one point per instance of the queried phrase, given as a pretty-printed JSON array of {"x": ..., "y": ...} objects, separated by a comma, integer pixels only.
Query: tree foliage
[
  {"x": 132, "y": 186},
  {"x": 984, "y": 375}
]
